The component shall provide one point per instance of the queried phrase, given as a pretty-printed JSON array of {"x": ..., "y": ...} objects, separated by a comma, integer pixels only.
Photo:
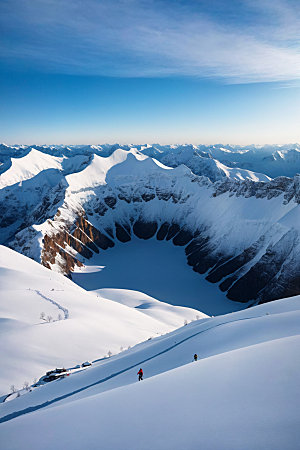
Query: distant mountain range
[{"x": 270, "y": 160}]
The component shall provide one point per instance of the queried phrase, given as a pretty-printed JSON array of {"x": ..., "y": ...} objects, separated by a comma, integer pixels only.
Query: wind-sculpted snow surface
[
  {"x": 35, "y": 339},
  {"x": 236, "y": 396},
  {"x": 242, "y": 233}
]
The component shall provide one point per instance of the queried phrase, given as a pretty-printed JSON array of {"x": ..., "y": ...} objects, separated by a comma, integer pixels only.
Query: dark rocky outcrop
[
  {"x": 183, "y": 237},
  {"x": 163, "y": 231},
  {"x": 250, "y": 285},
  {"x": 144, "y": 230},
  {"x": 85, "y": 240},
  {"x": 100, "y": 209},
  {"x": 289, "y": 187},
  {"x": 233, "y": 264},
  {"x": 55, "y": 245},
  {"x": 172, "y": 231},
  {"x": 94, "y": 234},
  {"x": 225, "y": 285},
  {"x": 147, "y": 196},
  {"x": 110, "y": 201},
  {"x": 82, "y": 237},
  {"x": 262, "y": 271},
  {"x": 122, "y": 234}
]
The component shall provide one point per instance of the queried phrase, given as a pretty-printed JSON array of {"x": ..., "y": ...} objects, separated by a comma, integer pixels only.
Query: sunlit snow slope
[
  {"x": 238, "y": 228},
  {"x": 83, "y": 326},
  {"x": 242, "y": 393},
  {"x": 191, "y": 225}
]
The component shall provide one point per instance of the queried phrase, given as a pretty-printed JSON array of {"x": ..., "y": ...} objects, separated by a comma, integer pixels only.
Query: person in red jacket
[{"x": 140, "y": 374}]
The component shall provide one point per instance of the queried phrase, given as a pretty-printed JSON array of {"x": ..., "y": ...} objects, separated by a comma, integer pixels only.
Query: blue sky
[{"x": 150, "y": 71}]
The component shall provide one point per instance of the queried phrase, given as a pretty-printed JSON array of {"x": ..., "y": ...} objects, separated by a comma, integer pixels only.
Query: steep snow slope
[
  {"x": 241, "y": 234},
  {"x": 90, "y": 325},
  {"x": 27, "y": 167},
  {"x": 34, "y": 162},
  {"x": 239, "y": 174},
  {"x": 203, "y": 163},
  {"x": 272, "y": 160},
  {"x": 233, "y": 231},
  {"x": 222, "y": 401},
  {"x": 96, "y": 172},
  {"x": 33, "y": 201}
]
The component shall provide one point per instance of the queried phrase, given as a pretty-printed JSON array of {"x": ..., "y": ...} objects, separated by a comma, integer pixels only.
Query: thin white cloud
[{"x": 154, "y": 38}]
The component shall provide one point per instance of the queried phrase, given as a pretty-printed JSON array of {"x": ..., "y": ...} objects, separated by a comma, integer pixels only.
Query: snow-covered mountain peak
[
  {"x": 96, "y": 172},
  {"x": 206, "y": 227},
  {"x": 229, "y": 220},
  {"x": 28, "y": 166}
]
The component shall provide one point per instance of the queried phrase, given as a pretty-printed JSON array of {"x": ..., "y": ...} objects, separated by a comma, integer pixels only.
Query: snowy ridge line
[
  {"x": 130, "y": 189},
  {"x": 30, "y": 409},
  {"x": 64, "y": 310},
  {"x": 22, "y": 277}
]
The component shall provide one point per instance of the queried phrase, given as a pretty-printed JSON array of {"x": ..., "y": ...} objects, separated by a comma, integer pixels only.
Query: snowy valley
[{"x": 142, "y": 256}]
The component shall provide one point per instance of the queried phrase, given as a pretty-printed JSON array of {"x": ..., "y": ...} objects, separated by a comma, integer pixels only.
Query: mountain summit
[{"x": 239, "y": 228}]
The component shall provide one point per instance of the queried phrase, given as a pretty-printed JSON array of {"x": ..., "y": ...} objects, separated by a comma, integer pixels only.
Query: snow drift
[
  {"x": 76, "y": 325},
  {"x": 243, "y": 392}
]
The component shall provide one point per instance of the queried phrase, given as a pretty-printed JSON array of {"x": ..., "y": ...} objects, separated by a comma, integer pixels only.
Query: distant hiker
[
  {"x": 195, "y": 357},
  {"x": 140, "y": 374}
]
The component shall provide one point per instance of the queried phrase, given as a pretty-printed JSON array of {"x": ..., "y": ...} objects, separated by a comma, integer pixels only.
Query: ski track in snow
[
  {"x": 30, "y": 409},
  {"x": 64, "y": 310}
]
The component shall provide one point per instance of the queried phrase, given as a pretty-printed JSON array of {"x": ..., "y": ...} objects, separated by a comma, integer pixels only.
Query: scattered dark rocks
[
  {"x": 110, "y": 201},
  {"x": 100, "y": 209},
  {"x": 148, "y": 196}
]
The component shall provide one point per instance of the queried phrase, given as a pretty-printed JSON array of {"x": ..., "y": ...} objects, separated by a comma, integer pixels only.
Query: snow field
[
  {"x": 244, "y": 395},
  {"x": 157, "y": 268},
  {"x": 94, "y": 325}
]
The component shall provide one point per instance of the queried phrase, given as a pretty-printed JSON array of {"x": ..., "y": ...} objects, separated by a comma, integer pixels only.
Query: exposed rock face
[
  {"x": 260, "y": 282},
  {"x": 123, "y": 234},
  {"x": 84, "y": 240},
  {"x": 234, "y": 264},
  {"x": 52, "y": 249},
  {"x": 289, "y": 187},
  {"x": 260, "y": 278},
  {"x": 144, "y": 230},
  {"x": 91, "y": 234},
  {"x": 251, "y": 255}
]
